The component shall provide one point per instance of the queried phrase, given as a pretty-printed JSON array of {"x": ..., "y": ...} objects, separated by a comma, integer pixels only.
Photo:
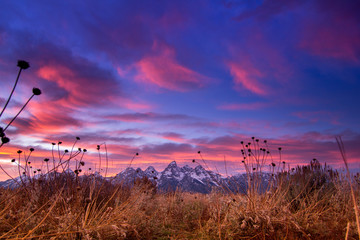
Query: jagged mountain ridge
[
  {"x": 174, "y": 177},
  {"x": 189, "y": 179}
]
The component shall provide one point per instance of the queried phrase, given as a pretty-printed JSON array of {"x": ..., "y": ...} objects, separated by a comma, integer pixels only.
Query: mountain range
[{"x": 184, "y": 178}]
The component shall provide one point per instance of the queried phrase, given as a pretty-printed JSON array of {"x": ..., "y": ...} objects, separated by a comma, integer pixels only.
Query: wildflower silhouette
[{"x": 36, "y": 91}]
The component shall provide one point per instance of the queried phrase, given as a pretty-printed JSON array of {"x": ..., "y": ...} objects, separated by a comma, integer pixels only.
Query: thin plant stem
[
  {"x": 12, "y": 120},
  {"x": 12, "y": 92}
]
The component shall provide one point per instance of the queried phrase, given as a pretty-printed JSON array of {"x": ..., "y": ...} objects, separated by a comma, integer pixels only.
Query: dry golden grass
[{"x": 313, "y": 202}]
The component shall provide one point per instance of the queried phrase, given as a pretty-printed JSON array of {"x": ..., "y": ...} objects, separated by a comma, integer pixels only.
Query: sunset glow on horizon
[{"x": 171, "y": 78}]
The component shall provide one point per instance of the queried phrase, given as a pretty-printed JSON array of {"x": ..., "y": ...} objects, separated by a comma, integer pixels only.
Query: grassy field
[{"x": 311, "y": 202}]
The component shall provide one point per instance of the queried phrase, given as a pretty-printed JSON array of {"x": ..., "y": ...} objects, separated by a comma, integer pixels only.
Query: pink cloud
[
  {"x": 246, "y": 77},
  {"x": 164, "y": 71},
  {"x": 173, "y": 137},
  {"x": 259, "y": 68}
]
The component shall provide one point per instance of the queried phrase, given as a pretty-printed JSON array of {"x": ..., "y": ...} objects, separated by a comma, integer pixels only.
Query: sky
[{"x": 166, "y": 79}]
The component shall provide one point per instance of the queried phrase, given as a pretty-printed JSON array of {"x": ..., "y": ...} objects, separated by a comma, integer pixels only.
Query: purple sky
[{"x": 169, "y": 78}]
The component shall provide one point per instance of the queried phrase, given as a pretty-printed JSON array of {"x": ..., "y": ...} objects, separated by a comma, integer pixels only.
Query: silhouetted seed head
[
  {"x": 137, "y": 154},
  {"x": 199, "y": 152},
  {"x": 23, "y": 64},
  {"x": 5, "y": 139},
  {"x": 193, "y": 160},
  {"x": 53, "y": 143},
  {"x": 244, "y": 157},
  {"x": 249, "y": 150},
  {"x": 265, "y": 141},
  {"x": 152, "y": 171},
  {"x": 246, "y": 146},
  {"x": 29, "y": 162},
  {"x": 89, "y": 168},
  {"x": 257, "y": 140},
  {"x": 82, "y": 163},
  {"x": 254, "y": 169},
  {"x": 46, "y": 160},
  {"x": 19, "y": 151},
  {"x": 79, "y": 149},
  {"x": 80, "y": 170},
  {"x": 98, "y": 147},
  {"x": 249, "y": 154},
  {"x": 249, "y": 143},
  {"x": 76, "y": 172},
  {"x": 34, "y": 171},
  {"x": 273, "y": 164},
  {"x": 279, "y": 148},
  {"x": 243, "y": 161},
  {"x": 23, "y": 173},
  {"x": 84, "y": 150},
  {"x": 66, "y": 151},
  {"x": 31, "y": 149},
  {"x": 39, "y": 170},
  {"x": 59, "y": 143},
  {"x": 242, "y": 142},
  {"x": 252, "y": 138},
  {"x": 314, "y": 159},
  {"x": 261, "y": 149},
  {"x": 292, "y": 169},
  {"x": 36, "y": 91},
  {"x": 267, "y": 152},
  {"x": 77, "y": 138},
  {"x": 283, "y": 162},
  {"x": 13, "y": 160}
]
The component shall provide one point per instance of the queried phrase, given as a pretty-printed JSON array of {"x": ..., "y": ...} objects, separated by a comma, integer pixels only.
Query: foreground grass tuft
[{"x": 313, "y": 202}]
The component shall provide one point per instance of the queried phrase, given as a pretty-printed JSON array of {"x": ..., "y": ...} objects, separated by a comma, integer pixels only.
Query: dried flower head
[
  {"x": 36, "y": 91},
  {"x": 273, "y": 164},
  {"x": 5, "y": 139},
  {"x": 46, "y": 160},
  {"x": 84, "y": 150},
  {"x": 31, "y": 149},
  {"x": 23, "y": 64},
  {"x": 13, "y": 160},
  {"x": 19, "y": 151},
  {"x": 193, "y": 160},
  {"x": 77, "y": 138}
]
